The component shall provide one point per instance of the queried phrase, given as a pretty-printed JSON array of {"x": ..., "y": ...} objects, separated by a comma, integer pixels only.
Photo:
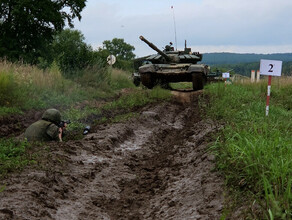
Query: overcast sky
[{"x": 241, "y": 26}]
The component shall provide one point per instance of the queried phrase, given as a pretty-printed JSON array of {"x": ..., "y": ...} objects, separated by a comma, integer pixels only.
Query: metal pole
[{"x": 174, "y": 28}]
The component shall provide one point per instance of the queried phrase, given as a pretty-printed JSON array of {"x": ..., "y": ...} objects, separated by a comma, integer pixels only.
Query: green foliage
[
  {"x": 96, "y": 76},
  {"x": 237, "y": 58},
  {"x": 283, "y": 97},
  {"x": 244, "y": 63},
  {"x": 49, "y": 88},
  {"x": 8, "y": 91},
  {"x": 13, "y": 155},
  {"x": 124, "y": 117},
  {"x": 2, "y": 188},
  {"x": 25, "y": 32},
  {"x": 245, "y": 68},
  {"x": 70, "y": 52},
  {"x": 25, "y": 87},
  {"x": 119, "y": 48},
  {"x": 115, "y": 111},
  {"x": 4, "y": 111},
  {"x": 181, "y": 85},
  {"x": 77, "y": 115},
  {"x": 122, "y": 50},
  {"x": 120, "y": 79},
  {"x": 253, "y": 150}
]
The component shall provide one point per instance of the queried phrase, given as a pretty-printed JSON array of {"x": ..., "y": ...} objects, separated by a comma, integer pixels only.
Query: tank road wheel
[
  {"x": 198, "y": 81},
  {"x": 147, "y": 80}
]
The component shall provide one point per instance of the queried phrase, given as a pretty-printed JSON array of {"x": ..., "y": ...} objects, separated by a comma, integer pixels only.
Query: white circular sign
[{"x": 111, "y": 59}]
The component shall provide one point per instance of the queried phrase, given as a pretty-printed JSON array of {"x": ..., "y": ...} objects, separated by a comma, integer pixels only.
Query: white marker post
[
  {"x": 252, "y": 76},
  {"x": 225, "y": 76},
  {"x": 270, "y": 68},
  {"x": 258, "y": 76}
]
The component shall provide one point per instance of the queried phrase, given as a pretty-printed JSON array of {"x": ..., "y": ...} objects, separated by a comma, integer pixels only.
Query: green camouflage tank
[{"x": 172, "y": 66}]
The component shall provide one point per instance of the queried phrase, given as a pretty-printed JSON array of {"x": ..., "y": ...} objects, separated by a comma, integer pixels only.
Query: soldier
[
  {"x": 46, "y": 129},
  {"x": 169, "y": 47}
]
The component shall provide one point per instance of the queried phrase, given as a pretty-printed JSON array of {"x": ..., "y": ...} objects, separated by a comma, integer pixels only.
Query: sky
[{"x": 240, "y": 26}]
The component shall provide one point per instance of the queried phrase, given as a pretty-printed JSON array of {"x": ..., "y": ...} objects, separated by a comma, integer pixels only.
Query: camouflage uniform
[{"x": 45, "y": 129}]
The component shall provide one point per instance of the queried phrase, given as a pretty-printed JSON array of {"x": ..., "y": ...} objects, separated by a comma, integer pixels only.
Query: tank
[{"x": 172, "y": 66}]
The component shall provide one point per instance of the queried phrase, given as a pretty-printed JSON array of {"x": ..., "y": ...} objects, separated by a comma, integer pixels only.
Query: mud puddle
[{"x": 155, "y": 166}]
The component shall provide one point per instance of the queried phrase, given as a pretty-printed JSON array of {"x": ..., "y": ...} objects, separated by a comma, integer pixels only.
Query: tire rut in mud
[
  {"x": 153, "y": 167},
  {"x": 173, "y": 177}
]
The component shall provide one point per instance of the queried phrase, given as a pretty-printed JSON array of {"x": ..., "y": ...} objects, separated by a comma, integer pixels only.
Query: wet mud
[
  {"x": 154, "y": 166},
  {"x": 14, "y": 125}
]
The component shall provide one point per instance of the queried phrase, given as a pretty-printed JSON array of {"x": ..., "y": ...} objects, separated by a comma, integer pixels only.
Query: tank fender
[
  {"x": 148, "y": 68},
  {"x": 198, "y": 68}
]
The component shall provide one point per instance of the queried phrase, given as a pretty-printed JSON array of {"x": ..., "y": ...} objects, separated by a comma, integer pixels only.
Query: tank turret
[
  {"x": 167, "y": 58},
  {"x": 171, "y": 56}
]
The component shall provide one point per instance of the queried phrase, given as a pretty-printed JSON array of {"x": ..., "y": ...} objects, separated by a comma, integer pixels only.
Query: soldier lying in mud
[{"x": 49, "y": 128}]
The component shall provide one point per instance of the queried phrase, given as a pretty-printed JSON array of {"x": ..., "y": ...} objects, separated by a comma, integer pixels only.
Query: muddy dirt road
[{"x": 155, "y": 166}]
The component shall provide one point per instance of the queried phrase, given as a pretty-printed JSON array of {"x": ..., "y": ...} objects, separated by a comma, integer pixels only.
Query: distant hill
[{"x": 236, "y": 58}]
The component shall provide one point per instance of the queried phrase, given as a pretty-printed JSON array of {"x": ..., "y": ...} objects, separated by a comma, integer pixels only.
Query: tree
[
  {"x": 119, "y": 48},
  {"x": 28, "y": 26},
  {"x": 122, "y": 50},
  {"x": 71, "y": 52}
]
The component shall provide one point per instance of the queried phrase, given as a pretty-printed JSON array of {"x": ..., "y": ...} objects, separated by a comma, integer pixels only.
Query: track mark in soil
[{"x": 155, "y": 166}]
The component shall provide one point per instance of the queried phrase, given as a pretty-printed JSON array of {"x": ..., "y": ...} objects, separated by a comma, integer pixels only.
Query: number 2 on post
[{"x": 271, "y": 69}]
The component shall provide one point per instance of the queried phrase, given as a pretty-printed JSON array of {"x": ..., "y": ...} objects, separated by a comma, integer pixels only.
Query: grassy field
[
  {"x": 24, "y": 87},
  {"x": 255, "y": 151},
  {"x": 49, "y": 88}
]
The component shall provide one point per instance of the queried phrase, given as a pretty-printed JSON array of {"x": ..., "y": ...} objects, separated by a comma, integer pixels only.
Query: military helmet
[{"x": 52, "y": 115}]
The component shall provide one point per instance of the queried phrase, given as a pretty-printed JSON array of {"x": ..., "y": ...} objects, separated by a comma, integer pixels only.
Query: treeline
[
  {"x": 234, "y": 58},
  {"x": 32, "y": 32},
  {"x": 244, "y": 63},
  {"x": 245, "y": 68},
  {"x": 73, "y": 56}
]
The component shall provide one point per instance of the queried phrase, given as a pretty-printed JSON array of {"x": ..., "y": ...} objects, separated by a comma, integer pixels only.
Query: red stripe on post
[{"x": 268, "y": 95}]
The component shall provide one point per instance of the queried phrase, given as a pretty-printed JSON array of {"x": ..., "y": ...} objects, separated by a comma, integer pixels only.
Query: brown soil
[
  {"x": 15, "y": 124},
  {"x": 155, "y": 166}
]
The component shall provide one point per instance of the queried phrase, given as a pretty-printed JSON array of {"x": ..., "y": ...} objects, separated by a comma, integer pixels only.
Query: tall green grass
[
  {"x": 255, "y": 151},
  {"x": 25, "y": 87}
]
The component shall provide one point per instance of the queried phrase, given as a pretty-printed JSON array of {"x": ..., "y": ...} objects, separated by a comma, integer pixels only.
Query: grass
[
  {"x": 181, "y": 85},
  {"x": 139, "y": 98},
  {"x": 24, "y": 87},
  {"x": 14, "y": 156},
  {"x": 2, "y": 188},
  {"x": 4, "y": 111},
  {"x": 117, "y": 110},
  {"x": 255, "y": 151},
  {"x": 50, "y": 89},
  {"x": 47, "y": 89},
  {"x": 124, "y": 117}
]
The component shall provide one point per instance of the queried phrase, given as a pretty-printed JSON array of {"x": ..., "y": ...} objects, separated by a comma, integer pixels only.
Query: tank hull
[{"x": 152, "y": 74}]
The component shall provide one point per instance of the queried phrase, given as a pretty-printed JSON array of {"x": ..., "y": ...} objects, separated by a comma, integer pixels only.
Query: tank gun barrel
[{"x": 155, "y": 48}]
